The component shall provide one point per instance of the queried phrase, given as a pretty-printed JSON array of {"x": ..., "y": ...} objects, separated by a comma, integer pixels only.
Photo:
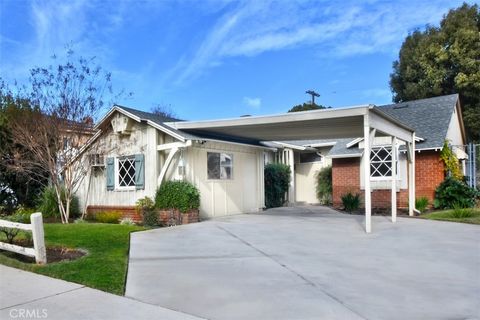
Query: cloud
[
  {"x": 252, "y": 102},
  {"x": 333, "y": 30}
]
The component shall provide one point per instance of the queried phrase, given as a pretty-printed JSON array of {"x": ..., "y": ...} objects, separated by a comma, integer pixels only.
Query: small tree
[
  {"x": 65, "y": 98},
  {"x": 306, "y": 107},
  {"x": 164, "y": 111},
  {"x": 324, "y": 185},
  {"x": 277, "y": 180}
]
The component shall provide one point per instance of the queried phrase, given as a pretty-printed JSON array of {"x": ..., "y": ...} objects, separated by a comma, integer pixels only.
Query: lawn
[
  {"x": 105, "y": 265},
  {"x": 456, "y": 215}
]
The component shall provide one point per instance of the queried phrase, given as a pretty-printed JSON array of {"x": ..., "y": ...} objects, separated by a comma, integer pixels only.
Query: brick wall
[
  {"x": 167, "y": 217},
  {"x": 429, "y": 173}
]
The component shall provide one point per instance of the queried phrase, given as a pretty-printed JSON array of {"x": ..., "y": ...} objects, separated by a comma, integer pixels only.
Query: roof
[
  {"x": 430, "y": 118},
  {"x": 158, "y": 121}
]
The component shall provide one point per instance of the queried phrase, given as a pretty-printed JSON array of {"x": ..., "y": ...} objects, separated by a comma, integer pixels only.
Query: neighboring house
[
  {"x": 434, "y": 120},
  {"x": 136, "y": 151}
]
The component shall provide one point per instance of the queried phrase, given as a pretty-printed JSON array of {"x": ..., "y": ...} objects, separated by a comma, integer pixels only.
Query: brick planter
[
  {"x": 174, "y": 217},
  {"x": 166, "y": 217}
]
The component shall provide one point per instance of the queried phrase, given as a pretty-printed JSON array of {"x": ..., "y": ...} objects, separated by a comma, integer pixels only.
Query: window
[
  {"x": 381, "y": 162},
  {"x": 219, "y": 165},
  {"x": 310, "y": 157},
  {"x": 126, "y": 171}
]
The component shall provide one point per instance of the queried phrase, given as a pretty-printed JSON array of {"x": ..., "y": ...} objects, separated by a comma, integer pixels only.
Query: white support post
[
  {"x": 291, "y": 189},
  {"x": 394, "y": 179},
  {"x": 411, "y": 178},
  {"x": 163, "y": 172},
  {"x": 366, "y": 170},
  {"x": 38, "y": 238}
]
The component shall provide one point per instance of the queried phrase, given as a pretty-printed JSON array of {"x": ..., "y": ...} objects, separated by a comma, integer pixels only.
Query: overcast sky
[{"x": 216, "y": 59}]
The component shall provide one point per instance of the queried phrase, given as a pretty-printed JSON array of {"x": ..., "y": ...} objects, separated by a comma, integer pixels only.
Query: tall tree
[
  {"x": 443, "y": 60},
  {"x": 17, "y": 187},
  {"x": 65, "y": 96},
  {"x": 306, "y": 107}
]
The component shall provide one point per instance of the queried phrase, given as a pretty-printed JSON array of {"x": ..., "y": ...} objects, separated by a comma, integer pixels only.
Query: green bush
[
  {"x": 11, "y": 233},
  {"x": 180, "y": 195},
  {"x": 277, "y": 179},
  {"x": 452, "y": 192},
  {"x": 351, "y": 202},
  {"x": 460, "y": 213},
  {"x": 146, "y": 207},
  {"x": 108, "y": 216},
  {"x": 48, "y": 204},
  {"x": 324, "y": 185},
  {"x": 421, "y": 204}
]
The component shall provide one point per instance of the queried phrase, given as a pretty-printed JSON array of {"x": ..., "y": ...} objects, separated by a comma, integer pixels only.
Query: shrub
[
  {"x": 127, "y": 222},
  {"x": 421, "y": 204},
  {"x": 324, "y": 185},
  {"x": 180, "y": 195},
  {"x": 452, "y": 192},
  {"x": 351, "y": 202},
  {"x": 11, "y": 233},
  {"x": 460, "y": 213},
  {"x": 108, "y": 216},
  {"x": 277, "y": 179},
  {"x": 146, "y": 207},
  {"x": 48, "y": 203}
]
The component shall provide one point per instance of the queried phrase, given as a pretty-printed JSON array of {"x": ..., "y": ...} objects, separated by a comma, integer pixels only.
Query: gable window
[
  {"x": 126, "y": 171},
  {"x": 381, "y": 162},
  {"x": 219, "y": 166}
]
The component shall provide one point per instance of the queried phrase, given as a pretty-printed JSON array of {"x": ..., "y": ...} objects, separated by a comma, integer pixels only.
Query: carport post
[
  {"x": 394, "y": 179},
  {"x": 366, "y": 170},
  {"x": 411, "y": 177}
]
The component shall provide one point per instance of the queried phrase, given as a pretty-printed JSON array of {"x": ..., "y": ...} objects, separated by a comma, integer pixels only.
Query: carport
[{"x": 365, "y": 121}]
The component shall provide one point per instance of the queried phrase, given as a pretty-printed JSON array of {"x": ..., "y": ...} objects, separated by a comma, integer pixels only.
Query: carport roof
[{"x": 317, "y": 124}]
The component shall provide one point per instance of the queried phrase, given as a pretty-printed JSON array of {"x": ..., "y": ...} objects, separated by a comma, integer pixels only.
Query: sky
[{"x": 220, "y": 59}]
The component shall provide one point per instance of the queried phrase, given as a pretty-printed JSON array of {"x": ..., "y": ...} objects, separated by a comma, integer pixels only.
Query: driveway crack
[{"x": 305, "y": 279}]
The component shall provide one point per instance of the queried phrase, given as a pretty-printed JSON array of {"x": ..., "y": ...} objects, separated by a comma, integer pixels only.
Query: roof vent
[{"x": 401, "y": 106}]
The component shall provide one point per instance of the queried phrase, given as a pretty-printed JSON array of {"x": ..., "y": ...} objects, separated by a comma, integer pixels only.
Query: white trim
[
  {"x": 353, "y": 142},
  {"x": 237, "y": 143},
  {"x": 340, "y": 156},
  {"x": 322, "y": 144},
  {"x": 277, "y": 118},
  {"x": 167, "y": 146},
  {"x": 291, "y": 146}
]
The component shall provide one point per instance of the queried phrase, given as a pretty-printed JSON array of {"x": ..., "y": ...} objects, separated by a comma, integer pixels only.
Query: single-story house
[
  {"x": 133, "y": 152},
  {"x": 435, "y": 120}
]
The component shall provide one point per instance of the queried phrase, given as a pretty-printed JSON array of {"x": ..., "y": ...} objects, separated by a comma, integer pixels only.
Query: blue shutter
[
  {"x": 110, "y": 173},
  {"x": 139, "y": 171}
]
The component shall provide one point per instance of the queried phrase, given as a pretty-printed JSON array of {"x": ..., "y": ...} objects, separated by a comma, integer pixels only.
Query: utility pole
[{"x": 313, "y": 94}]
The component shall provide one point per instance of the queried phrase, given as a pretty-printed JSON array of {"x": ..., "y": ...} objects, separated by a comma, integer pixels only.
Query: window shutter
[
  {"x": 110, "y": 173},
  {"x": 139, "y": 171}
]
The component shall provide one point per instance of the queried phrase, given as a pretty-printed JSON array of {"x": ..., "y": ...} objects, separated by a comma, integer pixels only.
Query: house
[
  {"x": 225, "y": 158},
  {"x": 434, "y": 120},
  {"x": 136, "y": 151}
]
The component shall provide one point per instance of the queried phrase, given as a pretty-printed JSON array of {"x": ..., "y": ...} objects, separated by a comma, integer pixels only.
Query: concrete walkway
[
  {"x": 309, "y": 263},
  {"x": 26, "y": 295}
]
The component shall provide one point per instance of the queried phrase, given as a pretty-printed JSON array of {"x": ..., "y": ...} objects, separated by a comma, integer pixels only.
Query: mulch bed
[{"x": 54, "y": 254}]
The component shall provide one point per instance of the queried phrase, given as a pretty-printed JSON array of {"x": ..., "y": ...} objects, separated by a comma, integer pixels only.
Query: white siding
[
  {"x": 242, "y": 194},
  {"x": 143, "y": 139},
  {"x": 306, "y": 178}
]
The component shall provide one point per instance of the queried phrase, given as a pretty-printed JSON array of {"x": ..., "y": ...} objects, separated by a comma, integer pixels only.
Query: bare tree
[
  {"x": 164, "y": 111},
  {"x": 65, "y": 98}
]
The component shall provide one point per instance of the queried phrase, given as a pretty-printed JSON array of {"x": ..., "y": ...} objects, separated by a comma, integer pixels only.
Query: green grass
[
  {"x": 105, "y": 265},
  {"x": 456, "y": 215}
]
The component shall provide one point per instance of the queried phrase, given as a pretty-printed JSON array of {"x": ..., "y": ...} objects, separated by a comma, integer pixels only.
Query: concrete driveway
[{"x": 309, "y": 263}]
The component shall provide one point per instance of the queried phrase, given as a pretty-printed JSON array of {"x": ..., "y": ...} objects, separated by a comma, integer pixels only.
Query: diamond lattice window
[
  {"x": 381, "y": 162},
  {"x": 126, "y": 172}
]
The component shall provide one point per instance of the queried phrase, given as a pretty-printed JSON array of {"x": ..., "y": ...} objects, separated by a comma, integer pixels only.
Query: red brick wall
[
  {"x": 127, "y": 211},
  {"x": 167, "y": 217},
  {"x": 429, "y": 173}
]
